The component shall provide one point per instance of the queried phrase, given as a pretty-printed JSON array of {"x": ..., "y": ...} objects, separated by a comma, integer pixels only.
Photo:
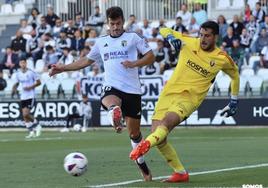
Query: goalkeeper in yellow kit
[{"x": 199, "y": 62}]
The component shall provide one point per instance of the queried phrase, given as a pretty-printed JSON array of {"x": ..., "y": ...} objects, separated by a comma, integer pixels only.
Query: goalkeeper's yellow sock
[
  {"x": 157, "y": 136},
  {"x": 171, "y": 157}
]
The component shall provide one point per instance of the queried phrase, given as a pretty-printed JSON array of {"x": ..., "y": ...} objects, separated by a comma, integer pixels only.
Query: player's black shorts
[
  {"x": 28, "y": 103},
  {"x": 131, "y": 103}
]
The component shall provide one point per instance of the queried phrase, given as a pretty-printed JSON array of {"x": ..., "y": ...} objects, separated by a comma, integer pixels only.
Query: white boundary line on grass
[
  {"x": 192, "y": 174},
  {"x": 32, "y": 139}
]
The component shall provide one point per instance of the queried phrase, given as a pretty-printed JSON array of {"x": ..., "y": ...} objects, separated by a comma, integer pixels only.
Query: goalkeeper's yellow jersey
[{"x": 196, "y": 69}]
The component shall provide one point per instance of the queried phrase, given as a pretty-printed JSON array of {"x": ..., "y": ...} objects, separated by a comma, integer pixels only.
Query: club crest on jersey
[
  {"x": 124, "y": 43},
  {"x": 212, "y": 63}
]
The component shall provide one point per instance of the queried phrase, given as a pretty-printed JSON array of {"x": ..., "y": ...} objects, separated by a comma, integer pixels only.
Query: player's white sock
[
  {"x": 134, "y": 143},
  {"x": 29, "y": 126}
]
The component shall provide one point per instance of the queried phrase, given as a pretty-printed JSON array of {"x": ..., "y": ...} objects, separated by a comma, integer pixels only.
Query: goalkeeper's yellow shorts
[{"x": 180, "y": 103}]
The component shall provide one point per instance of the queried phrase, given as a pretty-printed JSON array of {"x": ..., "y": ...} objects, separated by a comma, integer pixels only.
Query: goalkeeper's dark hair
[
  {"x": 211, "y": 25},
  {"x": 114, "y": 13}
]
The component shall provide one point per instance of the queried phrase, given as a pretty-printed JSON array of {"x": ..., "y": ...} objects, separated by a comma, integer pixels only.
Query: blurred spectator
[
  {"x": 43, "y": 28},
  {"x": 252, "y": 3},
  {"x": 95, "y": 71},
  {"x": 146, "y": 28},
  {"x": 33, "y": 48},
  {"x": 161, "y": 58},
  {"x": 264, "y": 24},
  {"x": 35, "y": 18},
  {"x": 263, "y": 63},
  {"x": 63, "y": 41},
  {"x": 66, "y": 57},
  {"x": 79, "y": 21},
  {"x": 237, "y": 53},
  {"x": 84, "y": 112},
  {"x": 10, "y": 61},
  {"x": 199, "y": 14},
  {"x": 47, "y": 40},
  {"x": 173, "y": 57},
  {"x": 227, "y": 41},
  {"x": 132, "y": 24},
  {"x": 179, "y": 26},
  {"x": 50, "y": 57},
  {"x": 90, "y": 41},
  {"x": 264, "y": 6},
  {"x": 260, "y": 43},
  {"x": 245, "y": 39},
  {"x": 25, "y": 28},
  {"x": 237, "y": 26},
  {"x": 51, "y": 17},
  {"x": 155, "y": 35},
  {"x": 223, "y": 26},
  {"x": 57, "y": 28},
  {"x": 86, "y": 30},
  {"x": 184, "y": 14},
  {"x": 258, "y": 13},
  {"x": 193, "y": 28},
  {"x": 3, "y": 82},
  {"x": 18, "y": 44},
  {"x": 84, "y": 51},
  {"x": 245, "y": 42},
  {"x": 161, "y": 24},
  {"x": 70, "y": 29},
  {"x": 97, "y": 20},
  {"x": 252, "y": 27},
  {"x": 77, "y": 42},
  {"x": 247, "y": 13}
]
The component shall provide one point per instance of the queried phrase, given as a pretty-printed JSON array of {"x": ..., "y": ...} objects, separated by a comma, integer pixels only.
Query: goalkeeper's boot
[
  {"x": 142, "y": 148},
  {"x": 177, "y": 178},
  {"x": 115, "y": 116},
  {"x": 145, "y": 172}
]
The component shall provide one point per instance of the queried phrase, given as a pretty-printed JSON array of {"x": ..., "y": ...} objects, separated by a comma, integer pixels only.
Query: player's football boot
[
  {"x": 38, "y": 130},
  {"x": 142, "y": 148},
  {"x": 177, "y": 177},
  {"x": 64, "y": 130},
  {"x": 145, "y": 172},
  {"x": 30, "y": 135},
  {"x": 115, "y": 115}
]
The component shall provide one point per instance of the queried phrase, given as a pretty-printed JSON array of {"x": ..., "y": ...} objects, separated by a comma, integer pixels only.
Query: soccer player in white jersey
[
  {"x": 122, "y": 89},
  {"x": 28, "y": 80}
]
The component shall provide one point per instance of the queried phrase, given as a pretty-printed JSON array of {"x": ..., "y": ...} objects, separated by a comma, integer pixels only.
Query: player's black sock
[
  {"x": 137, "y": 139},
  {"x": 143, "y": 166}
]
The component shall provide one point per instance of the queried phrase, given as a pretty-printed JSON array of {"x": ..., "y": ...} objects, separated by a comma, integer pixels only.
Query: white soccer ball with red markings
[{"x": 75, "y": 164}]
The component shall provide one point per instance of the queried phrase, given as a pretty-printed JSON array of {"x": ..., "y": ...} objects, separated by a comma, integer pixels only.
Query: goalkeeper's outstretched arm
[{"x": 232, "y": 70}]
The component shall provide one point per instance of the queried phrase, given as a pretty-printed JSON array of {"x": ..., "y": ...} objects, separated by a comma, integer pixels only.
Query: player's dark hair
[
  {"x": 211, "y": 25},
  {"x": 114, "y": 13}
]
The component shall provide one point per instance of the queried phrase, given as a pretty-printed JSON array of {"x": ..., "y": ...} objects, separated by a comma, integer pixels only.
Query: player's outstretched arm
[
  {"x": 77, "y": 65},
  {"x": 232, "y": 70},
  {"x": 231, "y": 108},
  {"x": 147, "y": 59},
  {"x": 173, "y": 37}
]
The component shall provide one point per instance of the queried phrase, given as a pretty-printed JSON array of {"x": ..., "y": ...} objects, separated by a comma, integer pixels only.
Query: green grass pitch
[{"x": 38, "y": 163}]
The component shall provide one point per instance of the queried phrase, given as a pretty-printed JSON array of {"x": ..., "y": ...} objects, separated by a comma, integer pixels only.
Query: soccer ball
[
  {"x": 75, "y": 164},
  {"x": 77, "y": 127}
]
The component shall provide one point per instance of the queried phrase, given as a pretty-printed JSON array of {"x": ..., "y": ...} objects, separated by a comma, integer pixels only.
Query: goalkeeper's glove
[
  {"x": 176, "y": 43},
  {"x": 231, "y": 108}
]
